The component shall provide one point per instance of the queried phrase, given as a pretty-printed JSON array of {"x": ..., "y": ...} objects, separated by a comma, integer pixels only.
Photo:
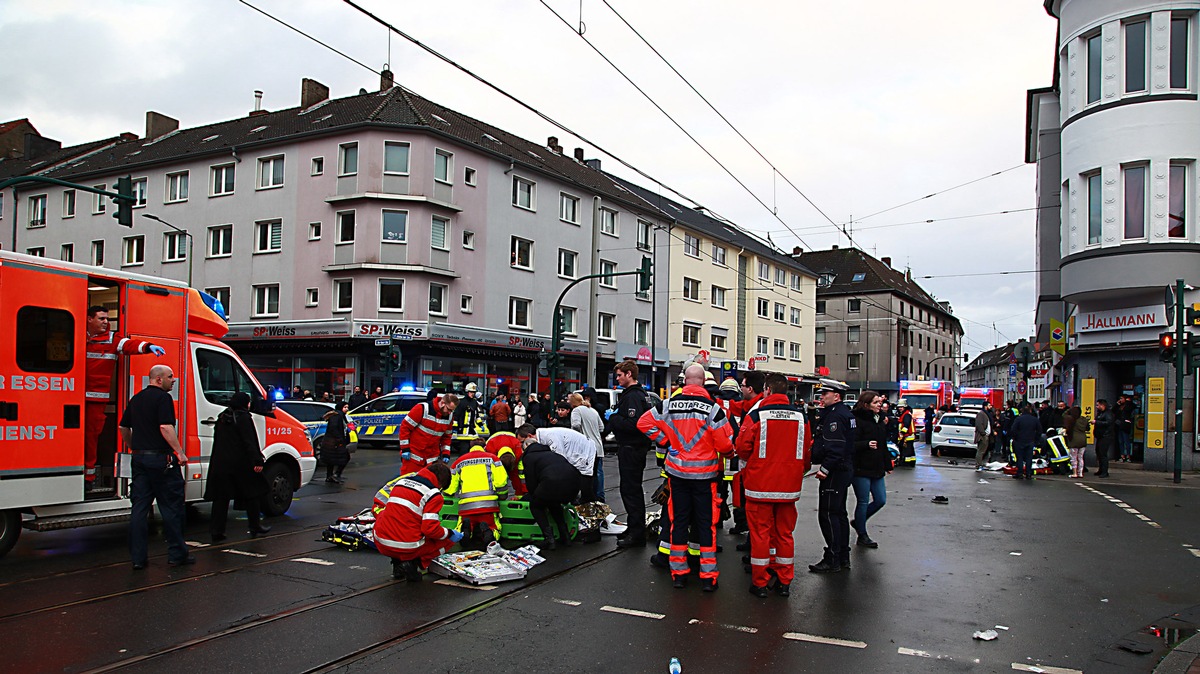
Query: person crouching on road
[
  {"x": 552, "y": 482},
  {"x": 479, "y": 481},
  {"x": 695, "y": 428},
  {"x": 507, "y": 448},
  {"x": 833, "y": 449},
  {"x": 872, "y": 461},
  {"x": 774, "y": 443},
  {"x": 408, "y": 529},
  {"x": 426, "y": 432}
]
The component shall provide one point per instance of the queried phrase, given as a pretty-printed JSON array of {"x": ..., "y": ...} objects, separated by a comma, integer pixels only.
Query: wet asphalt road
[{"x": 1088, "y": 572}]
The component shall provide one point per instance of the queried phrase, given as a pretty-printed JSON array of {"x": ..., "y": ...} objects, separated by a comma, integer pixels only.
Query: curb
[{"x": 1181, "y": 658}]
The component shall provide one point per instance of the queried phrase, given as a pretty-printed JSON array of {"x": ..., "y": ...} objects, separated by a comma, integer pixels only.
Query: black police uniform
[
  {"x": 834, "y": 451},
  {"x": 156, "y": 475},
  {"x": 632, "y": 448}
]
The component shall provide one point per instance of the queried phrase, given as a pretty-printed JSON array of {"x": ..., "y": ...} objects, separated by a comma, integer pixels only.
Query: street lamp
[{"x": 190, "y": 240}]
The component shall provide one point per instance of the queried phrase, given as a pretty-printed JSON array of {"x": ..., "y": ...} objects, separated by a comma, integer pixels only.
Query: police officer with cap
[{"x": 833, "y": 449}]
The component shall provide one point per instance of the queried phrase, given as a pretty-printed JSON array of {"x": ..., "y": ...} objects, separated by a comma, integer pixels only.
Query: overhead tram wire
[{"x": 323, "y": 44}]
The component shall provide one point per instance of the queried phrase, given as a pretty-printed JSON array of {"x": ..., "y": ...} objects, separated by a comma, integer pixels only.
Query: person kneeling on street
[
  {"x": 479, "y": 481},
  {"x": 409, "y": 530},
  {"x": 552, "y": 482}
]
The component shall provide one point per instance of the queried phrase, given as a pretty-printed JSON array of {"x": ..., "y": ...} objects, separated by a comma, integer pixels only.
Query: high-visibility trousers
[
  {"x": 772, "y": 544},
  {"x": 693, "y": 503}
]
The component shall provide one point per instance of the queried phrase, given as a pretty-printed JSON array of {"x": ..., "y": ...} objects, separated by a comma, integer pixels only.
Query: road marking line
[
  {"x": 812, "y": 638},
  {"x": 736, "y": 628},
  {"x": 921, "y": 654},
  {"x": 1187, "y": 545},
  {"x": 465, "y": 586},
  {"x": 1156, "y": 525},
  {"x": 568, "y": 602},
  {"x": 195, "y": 544},
  {"x": 243, "y": 552},
  {"x": 1194, "y": 551},
  {"x": 1143, "y": 517},
  {"x": 1015, "y": 554},
  {"x": 1130, "y": 510},
  {"x": 1021, "y": 667},
  {"x": 314, "y": 560},
  {"x": 632, "y": 612}
]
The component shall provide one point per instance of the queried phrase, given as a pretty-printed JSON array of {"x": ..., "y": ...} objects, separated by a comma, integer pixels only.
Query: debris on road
[
  {"x": 986, "y": 635},
  {"x": 940, "y": 499}
]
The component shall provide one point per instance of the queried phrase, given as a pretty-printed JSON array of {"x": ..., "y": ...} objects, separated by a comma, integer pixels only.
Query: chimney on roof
[
  {"x": 386, "y": 80},
  {"x": 36, "y": 146},
  {"x": 592, "y": 163},
  {"x": 127, "y": 136},
  {"x": 834, "y": 247},
  {"x": 159, "y": 125},
  {"x": 797, "y": 251},
  {"x": 886, "y": 260},
  {"x": 311, "y": 93},
  {"x": 908, "y": 274},
  {"x": 579, "y": 155},
  {"x": 552, "y": 143},
  {"x": 257, "y": 104}
]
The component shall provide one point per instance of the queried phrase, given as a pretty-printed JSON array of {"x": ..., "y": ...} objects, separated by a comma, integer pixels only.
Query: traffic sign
[
  {"x": 1021, "y": 387},
  {"x": 386, "y": 341},
  {"x": 1012, "y": 370}
]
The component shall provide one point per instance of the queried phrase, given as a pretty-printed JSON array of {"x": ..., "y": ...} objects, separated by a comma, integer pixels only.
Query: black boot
[{"x": 560, "y": 521}]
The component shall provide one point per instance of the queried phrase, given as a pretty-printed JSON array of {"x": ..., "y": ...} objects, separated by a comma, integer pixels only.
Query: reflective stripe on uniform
[
  {"x": 398, "y": 545},
  {"x": 773, "y": 495},
  {"x": 759, "y": 561},
  {"x": 785, "y": 560},
  {"x": 94, "y": 355}
]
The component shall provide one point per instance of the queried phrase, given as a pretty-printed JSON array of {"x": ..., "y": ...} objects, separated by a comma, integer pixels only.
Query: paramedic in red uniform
[
  {"x": 426, "y": 432},
  {"x": 103, "y": 348},
  {"x": 507, "y": 446},
  {"x": 696, "y": 430},
  {"x": 409, "y": 529},
  {"x": 774, "y": 445}
]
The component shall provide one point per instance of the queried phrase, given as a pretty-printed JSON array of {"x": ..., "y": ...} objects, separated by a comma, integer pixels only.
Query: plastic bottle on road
[{"x": 675, "y": 667}]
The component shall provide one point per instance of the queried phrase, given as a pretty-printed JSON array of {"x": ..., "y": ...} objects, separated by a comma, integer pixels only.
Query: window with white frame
[
  {"x": 764, "y": 308},
  {"x": 521, "y": 253},
  {"x": 1178, "y": 59},
  {"x": 140, "y": 189},
  {"x": 519, "y": 314},
  {"x": 779, "y": 345},
  {"x": 795, "y": 316},
  {"x": 270, "y": 172},
  {"x": 443, "y": 166},
  {"x": 718, "y": 296},
  {"x": 268, "y": 236},
  {"x": 468, "y": 239},
  {"x": 853, "y": 333},
  {"x": 641, "y": 332},
  {"x": 220, "y": 241},
  {"x": 314, "y": 231},
  {"x": 466, "y": 304},
  {"x": 780, "y": 276},
  {"x": 1137, "y": 57},
  {"x": 853, "y": 361},
  {"x": 222, "y": 180},
  {"x": 780, "y": 312},
  {"x": 177, "y": 186},
  {"x": 691, "y": 289},
  {"x": 794, "y": 350},
  {"x": 691, "y": 245},
  {"x": 853, "y": 305},
  {"x": 1135, "y": 179},
  {"x": 691, "y": 334},
  {"x": 174, "y": 247},
  {"x": 795, "y": 281},
  {"x": 344, "y": 230},
  {"x": 718, "y": 341},
  {"x": 343, "y": 294},
  {"x": 36, "y": 251},
  {"x": 764, "y": 272},
  {"x": 1177, "y": 199},
  {"x": 222, "y": 295},
  {"x": 607, "y": 269},
  {"x": 568, "y": 208},
  {"x": 37, "y": 211},
  {"x": 1095, "y": 58},
  {"x": 439, "y": 234},
  {"x": 819, "y": 335},
  {"x": 569, "y": 315},
  {"x": 98, "y": 253},
  {"x": 761, "y": 345},
  {"x": 606, "y": 326},
  {"x": 135, "y": 251},
  {"x": 66, "y": 252},
  {"x": 318, "y": 166},
  {"x": 523, "y": 195},
  {"x": 312, "y": 297},
  {"x": 567, "y": 263},
  {"x": 395, "y": 226},
  {"x": 437, "y": 299},
  {"x": 266, "y": 301},
  {"x": 391, "y": 294},
  {"x": 718, "y": 254},
  {"x": 68, "y": 204},
  {"x": 608, "y": 221},
  {"x": 99, "y": 201},
  {"x": 1095, "y": 209},
  {"x": 469, "y": 176},
  {"x": 644, "y": 234},
  {"x": 348, "y": 159},
  {"x": 395, "y": 158}
]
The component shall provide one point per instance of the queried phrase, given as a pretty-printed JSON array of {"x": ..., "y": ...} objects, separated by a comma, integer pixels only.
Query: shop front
[{"x": 317, "y": 356}]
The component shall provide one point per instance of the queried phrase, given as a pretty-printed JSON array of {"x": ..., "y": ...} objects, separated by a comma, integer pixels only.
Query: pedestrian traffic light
[
  {"x": 645, "y": 274},
  {"x": 124, "y": 203},
  {"x": 393, "y": 357},
  {"x": 1166, "y": 347}
]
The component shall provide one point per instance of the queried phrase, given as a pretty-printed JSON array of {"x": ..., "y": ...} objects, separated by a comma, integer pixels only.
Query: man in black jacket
[
  {"x": 834, "y": 451},
  {"x": 1025, "y": 432},
  {"x": 632, "y": 447},
  {"x": 1106, "y": 434}
]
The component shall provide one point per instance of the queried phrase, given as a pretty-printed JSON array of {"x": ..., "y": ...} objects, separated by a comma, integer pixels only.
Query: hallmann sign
[{"x": 1130, "y": 318}]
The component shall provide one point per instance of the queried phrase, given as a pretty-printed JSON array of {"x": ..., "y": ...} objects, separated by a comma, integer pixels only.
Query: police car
[
  {"x": 377, "y": 421},
  {"x": 311, "y": 413}
]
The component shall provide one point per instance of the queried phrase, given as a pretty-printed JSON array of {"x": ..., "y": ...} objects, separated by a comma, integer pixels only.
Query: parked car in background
[
  {"x": 954, "y": 432},
  {"x": 376, "y": 421},
  {"x": 311, "y": 413}
]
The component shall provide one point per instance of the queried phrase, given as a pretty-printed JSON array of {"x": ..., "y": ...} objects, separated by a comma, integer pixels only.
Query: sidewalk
[{"x": 1132, "y": 475}]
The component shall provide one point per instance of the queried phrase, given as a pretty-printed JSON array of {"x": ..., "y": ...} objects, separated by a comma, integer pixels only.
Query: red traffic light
[{"x": 1166, "y": 340}]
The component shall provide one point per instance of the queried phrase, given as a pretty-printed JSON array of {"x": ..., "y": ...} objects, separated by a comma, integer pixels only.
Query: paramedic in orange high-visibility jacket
[
  {"x": 695, "y": 430},
  {"x": 409, "y": 529},
  {"x": 773, "y": 444},
  {"x": 426, "y": 432}
]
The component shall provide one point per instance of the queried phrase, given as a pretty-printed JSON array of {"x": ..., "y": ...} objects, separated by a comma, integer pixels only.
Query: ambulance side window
[
  {"x": 45, "y": 340},
  {"x": 221, "y": 376}
]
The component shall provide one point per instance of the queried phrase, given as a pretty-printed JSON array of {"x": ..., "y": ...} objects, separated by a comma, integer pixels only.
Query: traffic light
[
  {"x": 553, "y": 360},
  {"x": 560, "y": 323},
  {"x": 384, "y": 360},
  {"x": 1166, "y": 347},
  {"x": 124, "y": 211},
  {"x": 645, "y": 274},
  {"x": 393, "y": 357}
]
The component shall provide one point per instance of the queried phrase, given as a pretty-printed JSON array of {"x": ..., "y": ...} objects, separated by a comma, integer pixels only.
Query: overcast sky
[{"x": 863, "y": 106}]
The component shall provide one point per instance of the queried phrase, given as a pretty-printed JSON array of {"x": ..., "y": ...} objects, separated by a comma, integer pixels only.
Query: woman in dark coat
[
  {"x": 335, "y": 444},
  {"x": 872, "y": 462},
  {"x": 551, "y": 481},
  {"x": 235, "y": 468}
]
